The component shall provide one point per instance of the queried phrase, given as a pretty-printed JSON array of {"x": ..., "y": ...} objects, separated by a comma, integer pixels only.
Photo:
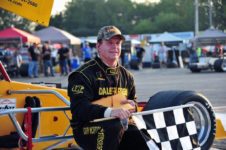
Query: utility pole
[
  {"x": 210, "y": 3},
  {"x": 196, "y": 17}
]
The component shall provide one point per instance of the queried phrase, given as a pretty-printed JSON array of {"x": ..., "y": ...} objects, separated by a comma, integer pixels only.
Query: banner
[{"x": 36, "y": 10}]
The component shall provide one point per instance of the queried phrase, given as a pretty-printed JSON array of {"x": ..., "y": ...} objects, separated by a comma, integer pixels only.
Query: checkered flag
[{"x": 171, "y": 129}]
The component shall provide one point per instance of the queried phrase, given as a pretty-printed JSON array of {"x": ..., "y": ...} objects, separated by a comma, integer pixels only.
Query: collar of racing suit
[{"x": 108, "y": 70}]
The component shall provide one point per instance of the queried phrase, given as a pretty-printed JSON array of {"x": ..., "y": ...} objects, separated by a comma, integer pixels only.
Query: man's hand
[
  {"x": 130, "y": 102},
  {"x": 120, "y": 113}
]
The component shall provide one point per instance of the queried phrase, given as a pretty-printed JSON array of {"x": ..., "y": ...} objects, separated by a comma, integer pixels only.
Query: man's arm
[{"x": 81, "y": 93}]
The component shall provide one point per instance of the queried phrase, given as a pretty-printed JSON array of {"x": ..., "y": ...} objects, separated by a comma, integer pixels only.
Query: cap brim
[{"x": 118, "y": 35}]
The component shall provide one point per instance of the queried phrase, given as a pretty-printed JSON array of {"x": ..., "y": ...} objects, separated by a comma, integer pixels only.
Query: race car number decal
[{"x": 6, "y": 104}]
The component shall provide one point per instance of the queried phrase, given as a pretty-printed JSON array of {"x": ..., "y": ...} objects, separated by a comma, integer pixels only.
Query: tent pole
[{"x": 21, "y": 43}]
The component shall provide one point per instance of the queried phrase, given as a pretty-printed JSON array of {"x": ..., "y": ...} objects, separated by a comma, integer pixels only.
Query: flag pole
[
  {"x": 148, "y": 112},
  {"x": 161, "y": 110}
]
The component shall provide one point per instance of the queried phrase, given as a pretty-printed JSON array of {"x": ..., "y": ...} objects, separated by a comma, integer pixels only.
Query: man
[
  {"x": 87, "y": 52},
  {"x": 162, "y": 54},
  {"x": 99, "y": 78},
  {"x": 33, "y": 65},
  {"x": 47, "y": 62},
  {"x": 63, "y": 53}
]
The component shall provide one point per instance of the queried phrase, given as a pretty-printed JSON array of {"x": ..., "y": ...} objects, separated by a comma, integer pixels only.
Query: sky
[{"x": 59, "y": 5}]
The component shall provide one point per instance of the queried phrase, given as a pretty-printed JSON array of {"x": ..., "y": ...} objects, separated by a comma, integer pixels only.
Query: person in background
[
  {"x": 98, "y": 78},
  {"x": 218, "y": 50},
  {"x": 54, "y": 55},
  {"x": 47, "y": 62},
  {"x": 162, "y": 55},
  {"x": 17, "y": 61},
  {"x": 140, "y": 55},
  {"x": 33, "y": 64},
  {"x": 63, "y": 59},
  {"x": 87, "y": 52},
  {"x": 199, "y": 51},
  {"x": 69, "y": 59}
]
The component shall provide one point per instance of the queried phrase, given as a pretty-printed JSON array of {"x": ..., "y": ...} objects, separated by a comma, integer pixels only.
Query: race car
[
  {"x": 215, "y": 62},
  {"x": 38, "y": 116}
]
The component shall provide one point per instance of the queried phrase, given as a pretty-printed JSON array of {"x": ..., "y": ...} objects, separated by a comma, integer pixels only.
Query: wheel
[
  {"x": 155, "y": 65},
  {"x": 219, "y": 65},
  {"x": 202, "y": 111},
  {"x": 134, "y": 64},
  {"x": 146, "y": 64},
  {"x": 171, "y": 65},
  {"x": 194, "y": 69},
  {"x": 24, "y": 70}
]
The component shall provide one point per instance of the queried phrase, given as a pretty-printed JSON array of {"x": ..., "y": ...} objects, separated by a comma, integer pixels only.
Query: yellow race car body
[{"x": 51, "y": 124}]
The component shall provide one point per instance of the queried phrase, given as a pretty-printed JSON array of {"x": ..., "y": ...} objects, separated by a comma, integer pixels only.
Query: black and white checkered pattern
[{"x": 174, "y": 129}]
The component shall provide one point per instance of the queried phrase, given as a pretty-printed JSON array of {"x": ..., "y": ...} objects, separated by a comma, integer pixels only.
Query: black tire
[
  {"x": 194, "y": 69},
  {"x": 134, "y": 64},
  {"x": 155, "y": 65},
  {"x": 203, "y": 112},
  {"x": 218, "y": 65},
  {"x": 171, "y": 65},
  {"x": 146, "y": 64},
  {"x": 24, "y": 70}
]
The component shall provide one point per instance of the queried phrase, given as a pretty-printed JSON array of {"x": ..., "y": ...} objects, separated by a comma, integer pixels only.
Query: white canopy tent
[
  {"x": 166, "y": 38},
  {"x": 91, "y": 39},
  {"x": 135, "y": 42},
  {"x": 55, "y": 35}
]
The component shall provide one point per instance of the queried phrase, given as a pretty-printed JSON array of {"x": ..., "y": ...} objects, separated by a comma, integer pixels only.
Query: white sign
[{"x": 6, "y": 104}]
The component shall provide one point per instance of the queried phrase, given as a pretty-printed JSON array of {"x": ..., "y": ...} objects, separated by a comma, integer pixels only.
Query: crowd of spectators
[{"x": 44, "y": 59}]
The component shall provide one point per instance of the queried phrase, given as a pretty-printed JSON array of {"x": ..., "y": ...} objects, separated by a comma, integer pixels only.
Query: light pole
[
  {"x": 210, "y": 3},
  {"x": 210, "y": 6},
  {"x": 196, "y": 17}
]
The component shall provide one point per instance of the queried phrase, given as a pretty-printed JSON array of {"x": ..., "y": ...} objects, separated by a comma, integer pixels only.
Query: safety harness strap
[{"x": 28, "y": 129}]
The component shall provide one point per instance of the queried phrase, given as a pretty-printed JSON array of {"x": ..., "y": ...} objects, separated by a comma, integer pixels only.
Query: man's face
[
  {"x": 110, "y": 50},
  {"x": 46, "y": 45}
]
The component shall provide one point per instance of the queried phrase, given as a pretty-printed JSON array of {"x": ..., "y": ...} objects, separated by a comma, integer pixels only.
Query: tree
[
  {"x": 144, "y": 26},
  {"x": 180, "y": 13},
  {"x": 56, "y": 20},
  {"x": 9, "y": 19},
  {"x": 169, "y": 22},
  {"x": 85, "y": 17},
  {"x": 219, "y": 14}
]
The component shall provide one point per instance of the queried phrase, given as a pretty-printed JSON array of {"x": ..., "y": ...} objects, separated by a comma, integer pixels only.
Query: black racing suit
[{"x": 90, "y": 82}]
